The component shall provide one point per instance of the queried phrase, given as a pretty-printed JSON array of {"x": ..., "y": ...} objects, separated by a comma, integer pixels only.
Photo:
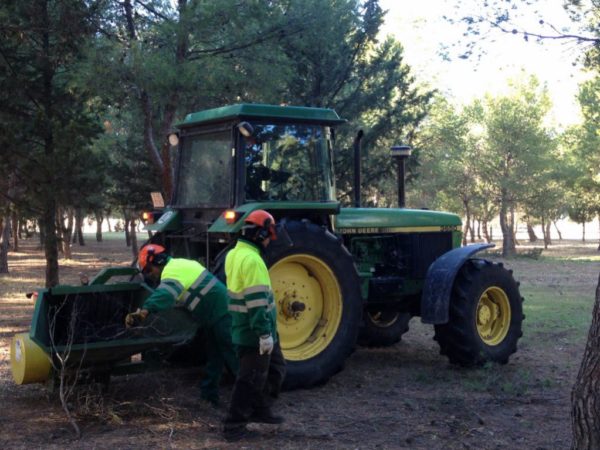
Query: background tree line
[{"x": 90, "y": 90}]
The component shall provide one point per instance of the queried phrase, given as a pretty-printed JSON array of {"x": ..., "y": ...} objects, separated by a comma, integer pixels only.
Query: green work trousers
[{"x": 219, "y": 352}]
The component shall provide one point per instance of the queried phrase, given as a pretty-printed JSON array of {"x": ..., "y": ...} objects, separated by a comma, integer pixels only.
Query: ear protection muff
[
  {"x": 264, "y": 232},
  {"x": 158, "y": 259}
]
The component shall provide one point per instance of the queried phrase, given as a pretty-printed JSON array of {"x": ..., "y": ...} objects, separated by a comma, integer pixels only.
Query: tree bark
[
  {"x": 79, "y": 226},
  {"x": 486, "y": 234},
  {"x": 49, "y": 203},
  {"x": 133, "y": 238},
  {"x": 546, "y": 228},
  {"x": 472, "y": 230},
  {"x": 66, "y": 233},
  {"x": 583, "y": 232},
  {"x": 15, "y": 231},
  {"x": 557, "y": 230},
  {"x": 127, "y": 234},
  {"x": 99, "y": 220},
  {"x": 467, "y": 228},
  {"x": 531, "y": 232},
  {"x": 585, "y": 396},
  {"x": 4, "y": 241},
  {"x": 508, "y": 241}
]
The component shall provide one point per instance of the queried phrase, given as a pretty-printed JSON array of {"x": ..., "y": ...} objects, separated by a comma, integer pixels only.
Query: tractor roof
[{"x": 251, "y": 111}]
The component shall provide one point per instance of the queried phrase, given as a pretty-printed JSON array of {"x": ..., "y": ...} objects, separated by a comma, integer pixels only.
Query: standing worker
[
  {"x": 188, "y": 282},
  {"x": 254, "y": 328}
]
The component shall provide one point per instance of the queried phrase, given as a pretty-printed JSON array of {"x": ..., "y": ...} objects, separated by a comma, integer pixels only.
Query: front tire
[
  {"x": 486, "y": 314},
  {"x": 319, "y": 306}
]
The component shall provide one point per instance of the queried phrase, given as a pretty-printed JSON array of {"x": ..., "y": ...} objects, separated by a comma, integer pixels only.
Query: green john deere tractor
[{"x": 340, "y": 275}]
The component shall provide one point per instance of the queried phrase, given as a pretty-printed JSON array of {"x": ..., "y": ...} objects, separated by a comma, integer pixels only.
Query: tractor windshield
[
  {"x": 288, "y": 162},
  {"x": 205, "y": 170}
]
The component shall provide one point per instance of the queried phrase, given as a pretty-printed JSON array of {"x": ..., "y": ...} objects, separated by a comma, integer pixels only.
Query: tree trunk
[
  {"x": 99, "y": 220},
  {"x": 557, "y": 230},
  {"x": 472, "y": 230},
  {"x": 42, "y": 231},
  {"x": 15, "y": 231},
  {"x": 585, "y": 396},
  {"x": 547, "y": 238},
  {"x": 49, "y": 202},
  {"x": 514, "y": 225},
  {"x": 508, "y": 242},
  {"x": 531, "y": 232},
  {"x": 79, "y": 226},
  {"x": 4, "y": 241},
  {"x": 66, "y": 232},
  {"x": 467, "y": 222},
  {"x": 599, "y": 232},
  {"x": 486, "y": 234},
  {"x": 50, "y": 240},
  {"x": 133, "y": 238},
  {"x": 583, "y": 232},
  {"x": 127, "y": 234},
  {"x": 479, "y": 230}
]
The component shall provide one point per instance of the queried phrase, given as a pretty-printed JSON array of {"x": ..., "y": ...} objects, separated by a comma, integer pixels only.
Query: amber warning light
[
  {"x": 148, "y": 217},
  {"x": 230, "y": 216}
]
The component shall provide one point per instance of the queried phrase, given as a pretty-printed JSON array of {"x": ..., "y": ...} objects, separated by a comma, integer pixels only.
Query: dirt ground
[{"x": 404, "y": 396}]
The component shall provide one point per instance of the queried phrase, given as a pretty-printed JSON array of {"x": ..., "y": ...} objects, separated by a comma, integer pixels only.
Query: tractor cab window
[
  {"x": 205, "y": 170},
  {"x": 288, "y": 162}
]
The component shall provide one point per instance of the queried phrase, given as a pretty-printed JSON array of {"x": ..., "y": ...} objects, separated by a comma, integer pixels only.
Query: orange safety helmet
[
  {"x": 264, "y": 220},
  {"x": 147, "y": 255}
]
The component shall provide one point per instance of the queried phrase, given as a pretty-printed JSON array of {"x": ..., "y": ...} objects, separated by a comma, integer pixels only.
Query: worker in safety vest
[
  {"x": 187, "y": 282},
  {"x": 254, "y": 328}
]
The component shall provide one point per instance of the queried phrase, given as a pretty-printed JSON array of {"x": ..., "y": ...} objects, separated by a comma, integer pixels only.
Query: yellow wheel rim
[
  {"x": 493, "y": 315},
  {"x": 309, "y": 305}
]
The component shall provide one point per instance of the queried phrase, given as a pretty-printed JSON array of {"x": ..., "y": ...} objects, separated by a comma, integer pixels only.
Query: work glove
[
  {"x": 135, "y": 318},
  {"x": 265, "y": 344}
]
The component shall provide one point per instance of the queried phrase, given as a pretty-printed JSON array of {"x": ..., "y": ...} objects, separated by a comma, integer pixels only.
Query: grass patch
[{"x": 548, "y": 311}]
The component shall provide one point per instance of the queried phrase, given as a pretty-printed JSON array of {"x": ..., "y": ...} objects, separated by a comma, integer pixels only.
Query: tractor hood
[{"x": 394, "y": 220}]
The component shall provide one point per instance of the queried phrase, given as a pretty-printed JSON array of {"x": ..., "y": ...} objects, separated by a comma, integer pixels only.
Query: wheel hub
[
  {"x": 493, "y": 315},
  {"x": 290, "y": 306},
  {"x": 309, "y": 305}
]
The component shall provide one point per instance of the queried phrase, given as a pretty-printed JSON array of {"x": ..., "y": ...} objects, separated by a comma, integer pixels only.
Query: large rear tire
[
  {"x": 318, "y": 299},
  {"x": 486, "y": 313},
  {"x": 383, "y": 328}
]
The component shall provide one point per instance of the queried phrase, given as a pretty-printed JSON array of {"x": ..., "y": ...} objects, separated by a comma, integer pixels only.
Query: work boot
[
  {"x": 265, "y": 416},
  {"x": 235, "y": 431}
]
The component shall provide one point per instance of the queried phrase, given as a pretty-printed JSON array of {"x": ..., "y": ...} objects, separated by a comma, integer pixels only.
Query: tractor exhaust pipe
[
  {"x": 401, "y": 153},
  {"x": 356, "y": 146}
]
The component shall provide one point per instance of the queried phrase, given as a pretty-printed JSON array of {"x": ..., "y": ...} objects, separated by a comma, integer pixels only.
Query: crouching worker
[
  {"x": 188, "y": 282},
  {"x": 254, "y": 329}
]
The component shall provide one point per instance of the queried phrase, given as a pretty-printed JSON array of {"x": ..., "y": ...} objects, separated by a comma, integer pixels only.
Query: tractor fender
[{"x": 435, "y": 300}]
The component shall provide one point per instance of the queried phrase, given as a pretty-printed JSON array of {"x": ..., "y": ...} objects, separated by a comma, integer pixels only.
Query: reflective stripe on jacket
[
  {"x": 251, "y": 302},
  {"x": 187, "y": 282}
]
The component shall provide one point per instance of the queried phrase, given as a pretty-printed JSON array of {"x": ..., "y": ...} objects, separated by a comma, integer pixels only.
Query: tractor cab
[
  {"x": 238, "y": 158},
  {"x": 255, "y": 153}
]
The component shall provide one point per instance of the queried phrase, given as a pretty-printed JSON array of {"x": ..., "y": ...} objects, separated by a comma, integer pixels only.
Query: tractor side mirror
[{"x": 245, "y": 129}]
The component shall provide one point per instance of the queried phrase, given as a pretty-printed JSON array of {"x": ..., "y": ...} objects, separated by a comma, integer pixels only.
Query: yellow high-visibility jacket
[
  {"x": 251, "y": 301},
  {"x": 187, "y": 282}
]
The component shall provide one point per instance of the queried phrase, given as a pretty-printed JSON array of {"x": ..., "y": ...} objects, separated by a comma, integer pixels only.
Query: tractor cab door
[{"x": 286, "y": 162}]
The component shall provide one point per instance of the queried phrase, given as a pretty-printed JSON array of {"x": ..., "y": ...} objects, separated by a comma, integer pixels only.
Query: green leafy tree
[
  {"x": 338, "y": 62},
  {"x": 168, "y": 58},
  {"x": 514, "y": 156},
  {"x": 40, "y": 42}
]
